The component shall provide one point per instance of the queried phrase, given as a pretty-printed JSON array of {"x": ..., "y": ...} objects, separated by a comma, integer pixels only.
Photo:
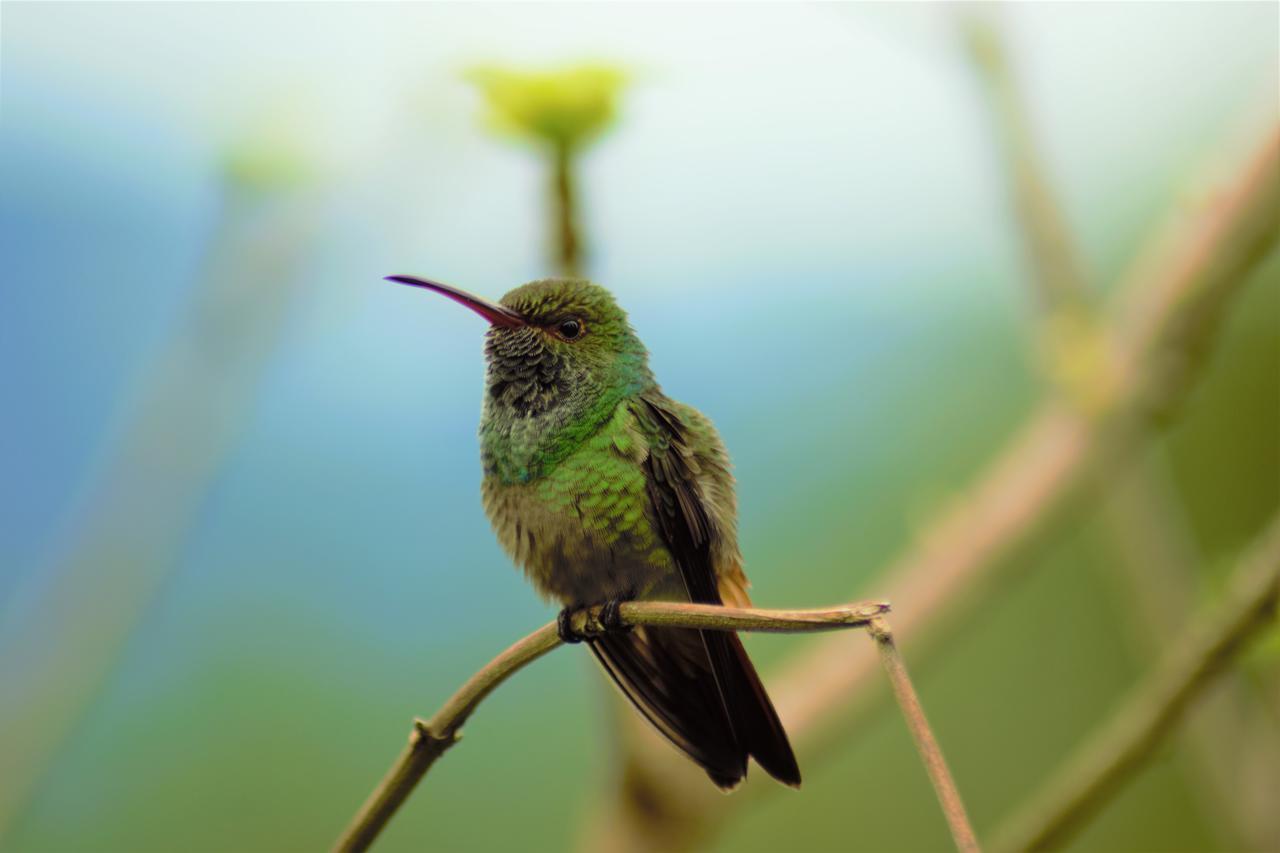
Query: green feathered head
[{"x": 560, "y": 356}]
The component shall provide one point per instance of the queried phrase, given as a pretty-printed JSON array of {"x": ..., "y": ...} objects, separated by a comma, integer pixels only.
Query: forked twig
[{"x": 431, "y": 738}]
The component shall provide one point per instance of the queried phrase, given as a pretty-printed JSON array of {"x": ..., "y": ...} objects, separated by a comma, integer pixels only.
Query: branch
[
  {"x": 431, "y": 738},
  {"x": 926, "y": 743},
  {"x": 1058, "y": 277},
  {"x": 1120, "y": 746}
]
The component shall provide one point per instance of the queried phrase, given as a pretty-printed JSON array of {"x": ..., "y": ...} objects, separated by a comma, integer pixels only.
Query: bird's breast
[{"x": 583, "y": 532}]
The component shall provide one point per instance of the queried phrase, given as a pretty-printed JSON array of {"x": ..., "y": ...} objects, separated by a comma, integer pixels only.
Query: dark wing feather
[{"x": 698, "y": 687}]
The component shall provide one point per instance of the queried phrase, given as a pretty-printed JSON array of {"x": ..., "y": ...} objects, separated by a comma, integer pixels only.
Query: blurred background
[{"x": 241, "y": 543}]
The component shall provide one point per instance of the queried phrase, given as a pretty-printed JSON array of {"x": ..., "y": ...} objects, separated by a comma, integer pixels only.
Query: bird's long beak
[{"x": 498, "y": 315}]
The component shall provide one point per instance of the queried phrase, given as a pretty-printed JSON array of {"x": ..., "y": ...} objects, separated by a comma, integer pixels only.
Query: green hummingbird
[{"x": 604, "y": 489}]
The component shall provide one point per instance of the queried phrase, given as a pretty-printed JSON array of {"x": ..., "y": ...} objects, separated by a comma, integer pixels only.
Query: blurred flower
[
  {"x": 565, "y": 107},
  {"x": 274, "y": 148},
  {"x": 266, "y": 165}
]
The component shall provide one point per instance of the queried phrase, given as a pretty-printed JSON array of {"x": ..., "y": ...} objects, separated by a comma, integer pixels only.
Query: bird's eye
[{"x": 570, "y": 329}]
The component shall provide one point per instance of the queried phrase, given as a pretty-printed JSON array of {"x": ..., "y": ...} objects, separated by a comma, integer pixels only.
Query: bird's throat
[{"x": 519, "y": 448}]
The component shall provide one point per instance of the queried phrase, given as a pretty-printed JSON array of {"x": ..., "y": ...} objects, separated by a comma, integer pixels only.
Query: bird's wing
[{"x": 698, "y": 687}]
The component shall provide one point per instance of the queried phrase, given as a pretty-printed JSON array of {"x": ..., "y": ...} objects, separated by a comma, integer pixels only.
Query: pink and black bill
[{"x": 497, "y": 315}]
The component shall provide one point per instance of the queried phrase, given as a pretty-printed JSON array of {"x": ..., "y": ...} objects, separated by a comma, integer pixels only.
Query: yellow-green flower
[
  {"x": 271, "y": 152},
  {"x": 565, "y": 107}
]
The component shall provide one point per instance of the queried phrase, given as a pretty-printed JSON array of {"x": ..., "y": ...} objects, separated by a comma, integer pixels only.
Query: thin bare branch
[
  {"x": 930, "y": 753},
  {"x": 431, "y": 738},
  {"x": 1120, "y": 746}
]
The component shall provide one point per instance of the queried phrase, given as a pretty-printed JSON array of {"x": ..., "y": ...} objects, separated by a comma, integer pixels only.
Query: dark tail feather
[
  {"x": 667, "y": 676},
  {"x": 700, "y": 690},
  {"x": 754, "y": 718}
]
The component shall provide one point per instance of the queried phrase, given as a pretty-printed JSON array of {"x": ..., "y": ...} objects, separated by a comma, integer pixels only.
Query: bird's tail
[{"x": 699, "y": 689}]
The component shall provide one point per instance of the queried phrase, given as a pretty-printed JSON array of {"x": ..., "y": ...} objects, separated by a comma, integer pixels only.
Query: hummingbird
[{"x": 603, "y": 489}]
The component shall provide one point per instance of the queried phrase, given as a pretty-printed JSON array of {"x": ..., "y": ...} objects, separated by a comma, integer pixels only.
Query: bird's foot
[
  {"x": 609, "y": 622},
  {"x": 611, "y": 618},
  {"x": 564, "y": 626}
]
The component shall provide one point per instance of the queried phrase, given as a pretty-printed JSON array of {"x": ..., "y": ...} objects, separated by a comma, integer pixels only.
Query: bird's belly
[{"x": 582, "y": 534}]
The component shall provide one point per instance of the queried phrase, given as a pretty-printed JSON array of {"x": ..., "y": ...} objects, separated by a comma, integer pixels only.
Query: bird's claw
[
  {"x": 564, "y": 626},
  {"x": 608, "y": 622},
  {"x": 611, "y": 617}
]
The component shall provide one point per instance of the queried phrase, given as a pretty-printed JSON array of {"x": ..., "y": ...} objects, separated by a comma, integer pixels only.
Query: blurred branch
[
  {"x": 60, "y": 636},
  {"x": 1157, "y": 556},
  {"x": 565, "y": 202},
  {"x": 1120, "y": 746},
  {"x": 1054, "y": 454},
  {"x": 1058, "y": 276},
  {"x": 431, "y": 738},
  {"x": 1165, "y": 316}
]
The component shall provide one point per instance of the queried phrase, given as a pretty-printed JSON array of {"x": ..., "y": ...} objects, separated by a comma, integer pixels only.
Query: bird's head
[{"x": 558, "y": 347}]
